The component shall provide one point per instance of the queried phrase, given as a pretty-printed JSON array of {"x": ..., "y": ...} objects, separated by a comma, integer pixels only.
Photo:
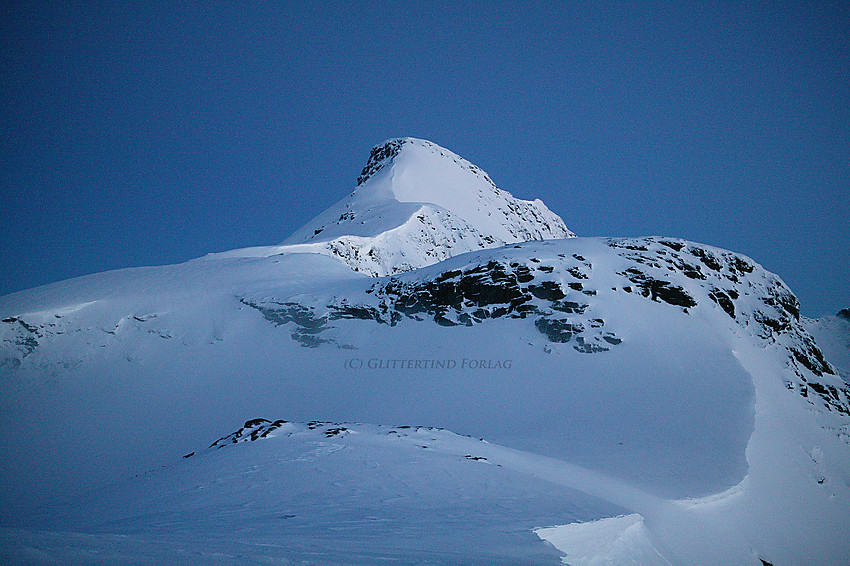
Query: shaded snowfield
[{"x": 320, "y": 496}]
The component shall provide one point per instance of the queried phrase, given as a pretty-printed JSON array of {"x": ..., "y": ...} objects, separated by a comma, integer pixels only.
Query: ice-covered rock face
[{"x": 416, "y": 204}]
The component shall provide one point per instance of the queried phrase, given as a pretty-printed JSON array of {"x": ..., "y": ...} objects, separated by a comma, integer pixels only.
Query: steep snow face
[{"x": 416, "y": 204}]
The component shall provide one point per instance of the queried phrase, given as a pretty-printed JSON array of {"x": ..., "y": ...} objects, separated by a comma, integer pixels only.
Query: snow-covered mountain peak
[
  {"x": 418, "y": 155},
  {"x": 416, "y": 204}
]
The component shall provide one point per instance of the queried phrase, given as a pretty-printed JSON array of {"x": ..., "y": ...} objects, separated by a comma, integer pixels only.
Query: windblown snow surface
[{"x": 477, "y": 388}]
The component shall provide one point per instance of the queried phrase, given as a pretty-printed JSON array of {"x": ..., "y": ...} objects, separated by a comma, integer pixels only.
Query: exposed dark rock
[
  {"x": 335, "y": 431},
  {"x": 569, "y": 307},
  {"x": 440, "y": 319},
  {"x": 677, "y": 246},
  {"x": 706, "y": 257},
  {"x": 588, "y": 347},
  {"x": 724, "y": 300},
  {"x": 832, "y": 397},
  {"x": 24, "y": 336},
  {"x": 632, "y": 245},
  {"x": 771, "y": 325},
  {"x": 252, "y": 430},
  {"x": 688, "y": 269},
  {"x": 740, "y": 265},
  {"x": 547, "y": 290},
  {"x": 788, "y": 302},
  {"x": 359, "y": 312},
  {"x": 308, "y": 340},
  {"x": 577, "y": 273},
  {"x": 811, "y": 357},
  {"x": 523, "y": 274},
  {"x": 611, "y": 339},
  {"x": 283, "y": 313},
  {"x": 557, "y": 330},
  {"x": 658, "y": 290},
  {"x": 309, "y": 326},
  {"x": 378, "y": 157}
]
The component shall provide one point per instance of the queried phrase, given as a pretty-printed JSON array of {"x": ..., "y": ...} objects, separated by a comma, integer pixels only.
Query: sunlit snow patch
[{"x": 613, "y": 540}]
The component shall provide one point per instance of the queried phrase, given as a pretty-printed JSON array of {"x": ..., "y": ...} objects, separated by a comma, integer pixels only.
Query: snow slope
[{"x": 643, "y": 400}]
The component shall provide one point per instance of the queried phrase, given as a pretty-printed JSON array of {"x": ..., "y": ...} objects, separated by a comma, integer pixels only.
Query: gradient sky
[{"x": 145, "y": 134}]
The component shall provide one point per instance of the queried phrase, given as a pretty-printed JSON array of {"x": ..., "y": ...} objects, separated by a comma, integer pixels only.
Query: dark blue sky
[{"x": 141, "y": 134}]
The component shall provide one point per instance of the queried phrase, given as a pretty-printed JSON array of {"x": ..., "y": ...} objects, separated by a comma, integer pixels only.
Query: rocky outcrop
[{"x": 560, "y": 295}]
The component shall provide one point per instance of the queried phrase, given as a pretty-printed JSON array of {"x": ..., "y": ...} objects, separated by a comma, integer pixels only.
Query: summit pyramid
[{"x": 416, "y": 204}]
